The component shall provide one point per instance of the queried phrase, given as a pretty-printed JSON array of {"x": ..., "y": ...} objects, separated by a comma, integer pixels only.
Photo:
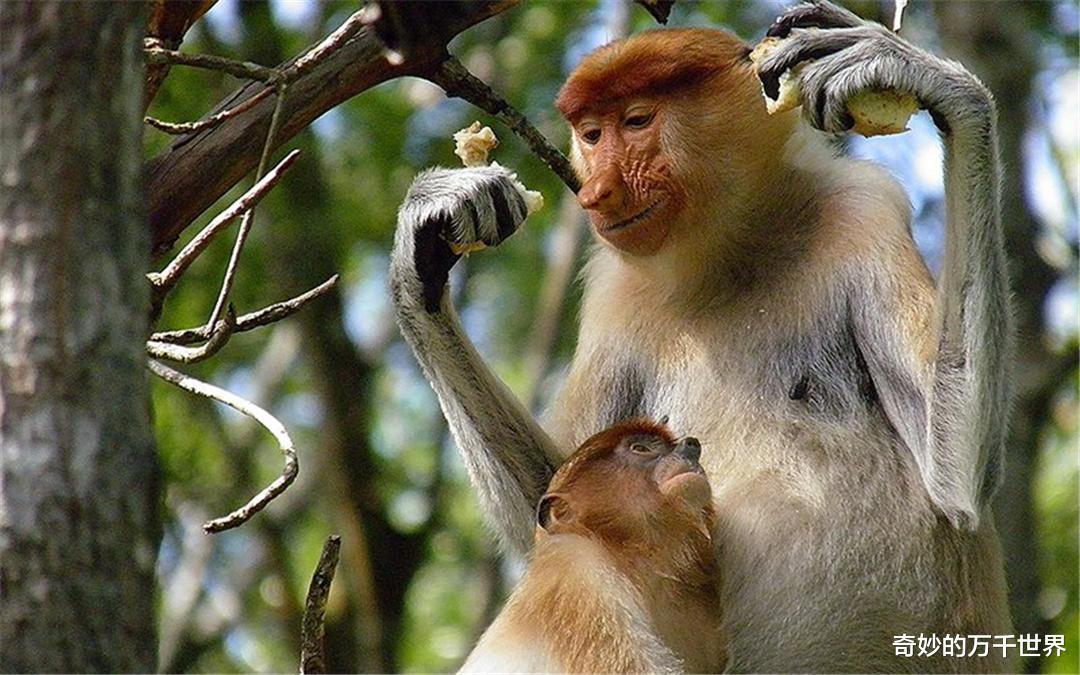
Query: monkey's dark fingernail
[{"x": 780, "y": 29}]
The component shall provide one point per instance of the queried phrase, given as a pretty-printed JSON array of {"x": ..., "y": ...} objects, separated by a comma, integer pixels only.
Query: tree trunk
[{"x": 79, "y": 516}]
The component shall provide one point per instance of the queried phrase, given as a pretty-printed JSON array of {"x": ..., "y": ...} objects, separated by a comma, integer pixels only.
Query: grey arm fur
[
  {"x": 952, "y": 412},
  {"x": 509, "y": 457}
]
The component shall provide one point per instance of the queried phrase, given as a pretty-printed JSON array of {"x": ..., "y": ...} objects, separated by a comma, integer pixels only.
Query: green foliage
[{"x": 1056, "y": 489}]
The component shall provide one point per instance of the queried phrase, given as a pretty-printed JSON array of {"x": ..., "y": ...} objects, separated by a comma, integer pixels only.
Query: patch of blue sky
[
  {"x": 224, "y": 20},
  {"x": 298, "y": 15}
]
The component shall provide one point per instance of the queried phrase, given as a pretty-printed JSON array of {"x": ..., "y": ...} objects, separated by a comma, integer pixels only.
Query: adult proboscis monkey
[{"x": 767, "y": 295}]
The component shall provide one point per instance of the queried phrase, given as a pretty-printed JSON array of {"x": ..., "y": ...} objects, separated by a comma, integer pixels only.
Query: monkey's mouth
[
  {"x": 633, "y": 220},
  {"x": 690, "y": 485}
]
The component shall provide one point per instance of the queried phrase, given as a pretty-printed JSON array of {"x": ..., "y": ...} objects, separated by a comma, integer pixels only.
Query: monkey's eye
[
  {"x": 638, "y": 120},
  {"x": 642, "y": 449},
  {"x": 591, "y": 136}
]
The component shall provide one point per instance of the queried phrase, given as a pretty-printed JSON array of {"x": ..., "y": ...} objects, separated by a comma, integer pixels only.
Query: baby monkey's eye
[{"x": 642, "y": 449}]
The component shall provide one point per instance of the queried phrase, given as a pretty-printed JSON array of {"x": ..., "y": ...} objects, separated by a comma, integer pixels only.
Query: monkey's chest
[{"x": 747, "y": 385}]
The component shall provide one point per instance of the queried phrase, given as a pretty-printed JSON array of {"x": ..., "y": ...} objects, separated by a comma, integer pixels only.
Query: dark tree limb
[
  {"x": 177, "y": 128},
  {"x": 313, "y": 630},
  {"x": 201, "y": 166},
  {"x": 659, "y": 9},
  {"x": 458, "y": 82}
]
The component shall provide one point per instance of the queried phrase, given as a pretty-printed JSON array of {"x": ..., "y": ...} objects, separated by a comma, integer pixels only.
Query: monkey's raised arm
[
  {"x": 943, "y": 385},
  {"x": 509, "y": 457}
]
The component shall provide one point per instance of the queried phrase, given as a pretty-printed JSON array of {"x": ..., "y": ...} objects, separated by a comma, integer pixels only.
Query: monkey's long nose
[
  {"x": 689, "y": 448},
  {"x": 604, "y": 192}
]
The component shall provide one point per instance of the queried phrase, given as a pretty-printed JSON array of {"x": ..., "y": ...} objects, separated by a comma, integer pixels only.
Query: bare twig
[
  {"x": 317, "y": 54},
  {"x": 164, "y": 280},
  {"x": 212, "y": 121},
  {"x": 249, "y": 215},
  {"x": 457, "y": 81},
  {"x": 268, "y": 421},
  {"x": 181, "y": 354},
  {"x": 263, "y": 317},
  {"x": 157, "y": 54},
  {"x": 242, "y": 69},
  {"x": 313, "y": 629}
]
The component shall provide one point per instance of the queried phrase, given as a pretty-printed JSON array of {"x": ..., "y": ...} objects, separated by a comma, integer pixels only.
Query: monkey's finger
[
  {"x": 802, "y": 46},
  {"x": 813, "y": 15},
  {"x": 824, "y": 104}
]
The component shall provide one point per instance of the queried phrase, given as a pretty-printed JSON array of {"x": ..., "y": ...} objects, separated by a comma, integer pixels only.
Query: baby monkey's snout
[{"x": 690, "y": 448}]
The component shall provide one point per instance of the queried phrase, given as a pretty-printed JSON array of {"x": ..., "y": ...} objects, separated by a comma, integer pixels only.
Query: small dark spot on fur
[{"x": 799, "y": 389}]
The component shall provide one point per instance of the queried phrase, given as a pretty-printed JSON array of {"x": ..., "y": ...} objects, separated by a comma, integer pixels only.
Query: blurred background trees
[{"x": 419, "y": 577}]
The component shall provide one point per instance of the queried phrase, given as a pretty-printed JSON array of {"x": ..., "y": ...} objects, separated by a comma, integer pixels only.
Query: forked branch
[
  {"x": 263, "y": 317},
  {"x": 166, "y": 279}
]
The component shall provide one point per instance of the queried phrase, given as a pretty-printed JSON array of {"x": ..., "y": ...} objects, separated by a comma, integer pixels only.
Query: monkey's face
[
  {"x": 630, "y": 485},
  {"x": 672, "y": 466},
  {"x": 630, "y": 188}
]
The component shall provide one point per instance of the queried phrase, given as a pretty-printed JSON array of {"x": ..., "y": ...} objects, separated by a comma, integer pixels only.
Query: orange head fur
[{"x": 661, "y": 63}]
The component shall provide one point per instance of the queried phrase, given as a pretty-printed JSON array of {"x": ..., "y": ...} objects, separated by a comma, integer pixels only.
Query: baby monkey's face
[{"x": 673, "y": 465}]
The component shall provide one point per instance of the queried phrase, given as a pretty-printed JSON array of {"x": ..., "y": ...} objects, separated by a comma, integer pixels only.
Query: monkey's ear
[{"x": 552, "y": 510}]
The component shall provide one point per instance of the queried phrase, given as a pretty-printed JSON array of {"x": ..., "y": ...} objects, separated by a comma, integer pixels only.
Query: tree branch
[
  {"x": 249, "y": 216},
  {"x": 201, "y": 166},
  {"x": 263, "y": 317},
  {"x": 313, "y": 628},
  {"x": 268, "y": 421},
  {"x": 221, "y": 333},
  {"x": 166, "y": 279},
  {"x": 158, "y": 56},
  {"x": 177, "y": 128},
  {"x": 458, "y": 82}
]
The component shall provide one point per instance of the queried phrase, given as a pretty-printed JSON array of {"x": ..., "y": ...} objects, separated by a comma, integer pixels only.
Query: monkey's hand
[
  {"x": 448, "y": 212},
  {"x": 846, "y": 56}
]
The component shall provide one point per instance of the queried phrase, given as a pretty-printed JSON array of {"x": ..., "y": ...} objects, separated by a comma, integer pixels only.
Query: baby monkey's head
[{"x": 638, "y": 490}]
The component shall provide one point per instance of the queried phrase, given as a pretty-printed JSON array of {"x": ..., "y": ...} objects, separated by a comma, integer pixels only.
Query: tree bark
[{"x": 79, "y": 516}]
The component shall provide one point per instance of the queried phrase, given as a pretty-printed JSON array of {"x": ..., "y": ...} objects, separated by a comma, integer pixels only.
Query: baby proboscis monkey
[{"x": 622, "y": 578}]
